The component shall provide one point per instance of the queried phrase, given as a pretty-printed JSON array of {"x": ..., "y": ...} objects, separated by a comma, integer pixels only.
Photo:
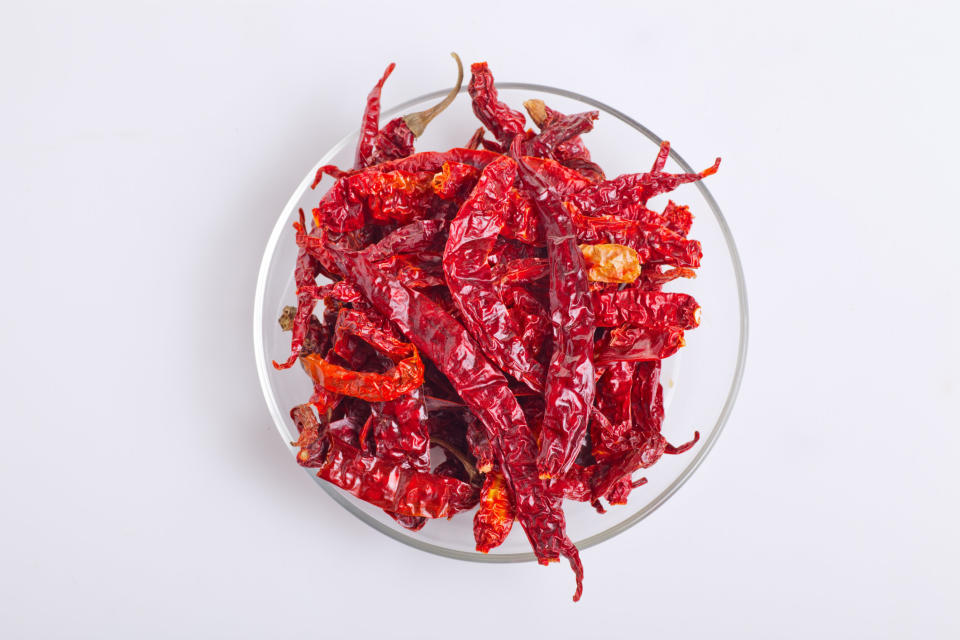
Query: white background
[{"x": 147, "y": 149}]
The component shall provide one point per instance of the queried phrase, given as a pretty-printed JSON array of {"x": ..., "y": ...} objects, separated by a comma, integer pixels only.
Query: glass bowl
[{"x": 711, "y": 364}]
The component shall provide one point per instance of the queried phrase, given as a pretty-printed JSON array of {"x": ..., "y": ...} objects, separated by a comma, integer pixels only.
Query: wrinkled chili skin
[
  {"x": 395, "y": 140},
  {"x": 630, "y": 344},
  {"x": 433, "y": 161},
  {"x": 404, "y": 376},
  {"x": 570, "y": 383},
  {"x": 502, "y": 121},
  {"x": 641, "y": 307},
  {"x": 557, "y": 131},
  {"x": 614, "y": 410},
  {"x": 473, "y": 234},
  {"x": 382, "y": 197},
  {"x": 571, "y": 153},
  {"x": 395, "y": 489},
  {"x": 455, "y": 180}
]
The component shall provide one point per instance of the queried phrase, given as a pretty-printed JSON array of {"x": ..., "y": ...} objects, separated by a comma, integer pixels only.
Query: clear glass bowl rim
[{"x": 653, "y": 505}]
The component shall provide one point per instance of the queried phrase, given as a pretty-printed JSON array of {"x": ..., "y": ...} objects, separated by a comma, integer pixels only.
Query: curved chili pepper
[
  {"x": 502, "y": 121},
  {"x": 485, "y": 391},
  {"x": 611, "y": 196},
  {"x": 472, "y": 235},
  {"x": 570, "y": 381},
  {"x": 305, "y": 276},
  {"x": 557, "y": 130},
  {"x": 641, "y": 307},
  {"x": 571, "y": 153},
  {"x": 396, "y": 138},
  {"x": 328, "y": 170},
  {"x": 370, "y": 125},
  {"x": 405, "y": 375},
  {"x": 494, "y": 518}
]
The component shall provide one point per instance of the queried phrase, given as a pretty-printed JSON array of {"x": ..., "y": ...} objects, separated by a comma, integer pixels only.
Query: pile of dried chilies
[{"x": 501, "y": 302}]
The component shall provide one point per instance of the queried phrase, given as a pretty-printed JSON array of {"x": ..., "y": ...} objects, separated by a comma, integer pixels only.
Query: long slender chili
[
  {"x": 472, "y": 235},
  {"x": 570, "y": 383},
  {"x": 502, "y": 121},
  {"x": 370, "y": 125}
]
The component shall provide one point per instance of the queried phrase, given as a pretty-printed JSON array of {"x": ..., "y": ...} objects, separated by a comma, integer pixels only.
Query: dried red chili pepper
[
  {"x": 571, "y": 153},
  {"x": 640, "y": 307},
  {"x": 391, "y": 487},
  {"x": 629, "y": 343},
  {"x": 611, "y": 197},
  {"x": 465, "y": 262},
  {"x": 570, "y": 383},
  {"x": 412, "y": 238},
  {"x": 494, "y": 519},
  {"x": 370, "y": 125},
  {"x": 396, "y": 138},
  {"x": 377, "y": 197},
  {"x": 502, "y": 121},
  {"x": 305, "y": 276},
  {"x": 651, "y": 277},
  {"x": 558, "y": 130},
  {"x": 613, "y": 418},
  {"x": 405, "y": 375}
]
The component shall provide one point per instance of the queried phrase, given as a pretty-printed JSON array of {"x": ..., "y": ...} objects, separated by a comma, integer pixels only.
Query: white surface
[{"x": 146, "y": 153}]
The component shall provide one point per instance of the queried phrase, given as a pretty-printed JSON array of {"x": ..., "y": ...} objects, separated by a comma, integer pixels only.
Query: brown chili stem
[
  {"x": 459, "y": 455},
  {"x": 417, "y": 122}
]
